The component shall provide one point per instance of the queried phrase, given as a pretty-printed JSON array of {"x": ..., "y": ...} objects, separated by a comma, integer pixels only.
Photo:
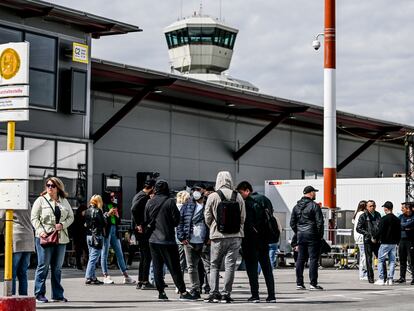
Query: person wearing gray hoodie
[{"x": 223, "y": 245}]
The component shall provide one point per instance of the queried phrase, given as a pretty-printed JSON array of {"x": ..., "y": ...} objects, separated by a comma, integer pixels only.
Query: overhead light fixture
[
  {"x": 291, "y": 116},
  {"x": 157, "y": 91},
  {"x": 230, "y": 104}
]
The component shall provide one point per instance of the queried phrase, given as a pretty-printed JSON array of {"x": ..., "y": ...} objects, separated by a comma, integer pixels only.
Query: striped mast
[{"x": 329, "y": 128}]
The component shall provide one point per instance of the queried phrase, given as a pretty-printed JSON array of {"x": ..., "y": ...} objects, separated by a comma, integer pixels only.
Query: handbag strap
[{"x": 53, "y": 210}]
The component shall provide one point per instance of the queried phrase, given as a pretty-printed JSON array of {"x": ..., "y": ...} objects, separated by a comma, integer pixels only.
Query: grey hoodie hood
[{"x": 224, "y": 180}]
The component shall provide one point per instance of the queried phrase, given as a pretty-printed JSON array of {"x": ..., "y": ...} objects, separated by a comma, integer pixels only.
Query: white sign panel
[
  {"x": 14, "y": 63},
  {"x": 14, "y": 115},
  {"x": 14, "y": 103},
  {"x": 14, "y": 91},
  {"x": 14, "y": 164},
  {"x": 14, "y": 194}
]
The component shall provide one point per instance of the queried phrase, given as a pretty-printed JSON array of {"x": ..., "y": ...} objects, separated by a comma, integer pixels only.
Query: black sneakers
[
  {"x": 315, "y": 287},
  {"x": 271, "y": 299},
  {"x": 196, "y": 294},
  {"x": 226, "y": 299},
  {"x": 300, "y": 287},
  {"x": 213, "y": 298},
  {"x": 400, "y": 281},
  {"x": 162, "y": 296},
  {"x": 186, "y": 297},
  {"x": 254, "y": 299}
]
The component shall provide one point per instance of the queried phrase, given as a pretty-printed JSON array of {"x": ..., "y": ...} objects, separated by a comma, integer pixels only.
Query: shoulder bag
[{"x": 52, "y": 238}]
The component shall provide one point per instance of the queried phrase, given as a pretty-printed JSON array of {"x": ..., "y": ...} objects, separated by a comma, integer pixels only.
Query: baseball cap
[
  {"x": 308, "y": 189},
  {"x": 388, "y": 204},
  {"x": 198, "y": 186}
]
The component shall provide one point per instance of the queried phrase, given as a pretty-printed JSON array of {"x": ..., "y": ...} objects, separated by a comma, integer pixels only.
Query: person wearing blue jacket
[
  {"x": 192, "y": 233},
  {"x": 406, "y": 246}
]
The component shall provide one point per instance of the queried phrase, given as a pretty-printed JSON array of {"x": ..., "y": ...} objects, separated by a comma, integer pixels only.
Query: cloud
[{"x": 273, "y": 50}]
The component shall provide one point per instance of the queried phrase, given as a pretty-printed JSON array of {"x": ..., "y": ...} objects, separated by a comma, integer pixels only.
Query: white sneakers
[
  {"x": 381, "y": 282},
  {"x": 107, "y": 280},
  {"x": 365, "y": 278},
  {"x": 129, "y": 280}
]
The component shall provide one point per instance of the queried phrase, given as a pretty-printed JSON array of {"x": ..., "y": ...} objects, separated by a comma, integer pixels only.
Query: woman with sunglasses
[{"x": 51, "y": 211}]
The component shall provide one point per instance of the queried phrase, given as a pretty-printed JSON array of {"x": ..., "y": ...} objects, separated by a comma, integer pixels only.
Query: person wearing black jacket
[
  {"x": 138, "y": 214},
  {"x": 307, "y": 223},
  {"x": 368, "y": 226},
  {"x": 406, "y": 246},
  {"x": 389, "y": 234},
  {"x": 255, "y": 246},
  {"x": 94, "y": 227},
  {"x": 161, "y": 217}
]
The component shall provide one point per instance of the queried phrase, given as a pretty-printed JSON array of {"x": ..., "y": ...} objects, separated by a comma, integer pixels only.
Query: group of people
[
  {"x": 381, "y": 236},
  {"x": 190, "y": 230},
  {"x": 199, "y": 231}
]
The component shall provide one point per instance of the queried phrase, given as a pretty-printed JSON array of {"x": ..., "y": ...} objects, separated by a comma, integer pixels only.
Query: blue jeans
[
  {"x": 53, "y": 256},
  {"x": 112, "y": 240},
  {"x": 386, "y": 250},
  {"x": 94, "y": 255},
  {"x": 21, "y": 261},
  {"x": 273, "y": 254}
]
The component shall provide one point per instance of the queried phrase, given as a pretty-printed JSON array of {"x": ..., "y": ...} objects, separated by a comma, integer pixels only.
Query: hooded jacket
[
  {"x": 307, "y": 220},
  {"x": 224, "y": 183},
  {"x": 164, "y": 211}
]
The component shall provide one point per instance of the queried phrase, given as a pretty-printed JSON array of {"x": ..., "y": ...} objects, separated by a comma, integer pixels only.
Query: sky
[{"x": 273, "y": 50}]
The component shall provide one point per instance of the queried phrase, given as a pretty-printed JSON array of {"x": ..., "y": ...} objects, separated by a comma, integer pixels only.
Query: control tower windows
[{"x": 201, "y": 35}]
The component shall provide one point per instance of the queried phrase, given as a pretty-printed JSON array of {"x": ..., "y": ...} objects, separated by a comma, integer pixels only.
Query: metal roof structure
[
  {"x": 95, "y": 25},
  {"x": 193, "y": 93}
]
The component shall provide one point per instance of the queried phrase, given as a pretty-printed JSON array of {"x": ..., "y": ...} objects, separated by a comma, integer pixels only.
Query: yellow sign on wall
[{"x": 80, "y": 53}]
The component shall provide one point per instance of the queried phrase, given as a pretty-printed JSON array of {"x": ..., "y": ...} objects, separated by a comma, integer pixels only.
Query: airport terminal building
[{"x": 96, "y": 122}]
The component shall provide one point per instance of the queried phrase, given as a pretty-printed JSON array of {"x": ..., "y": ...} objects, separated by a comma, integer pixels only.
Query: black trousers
[
  {"x": 371, "y": 248},
  {"x": 255, "y": 252},
  {"x": 308, "y": 250},
  {"x": 405, "y": 249},
  {"x": 145, "y": 261},
  {"x": 166, "y": 254}
]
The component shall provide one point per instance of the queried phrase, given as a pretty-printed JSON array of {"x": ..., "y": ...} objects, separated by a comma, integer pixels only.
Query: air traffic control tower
[{"x": 201, "y": 47}]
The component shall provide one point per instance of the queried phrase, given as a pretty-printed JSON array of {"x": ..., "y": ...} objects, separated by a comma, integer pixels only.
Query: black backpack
[
  {"x": 228, "y": 214},
  {"x": 271, "y": 230}
]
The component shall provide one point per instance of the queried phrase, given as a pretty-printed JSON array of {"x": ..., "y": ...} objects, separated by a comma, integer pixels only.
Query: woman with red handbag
[{"x": 51, "y": 217}]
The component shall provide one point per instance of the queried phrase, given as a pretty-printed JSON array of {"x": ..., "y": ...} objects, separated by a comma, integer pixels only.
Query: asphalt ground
[{"x": 342, "y": 291}]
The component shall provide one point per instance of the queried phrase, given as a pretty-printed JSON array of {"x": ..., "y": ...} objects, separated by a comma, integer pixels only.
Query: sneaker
[
  {"x": 412, "y": 282},
  {"x": 96, "y": 282},
  {"x": 41, "y": 299},
  {"x": 315, "y": 287},
  {"x": 365, "y": 278},
  {"x": 196, "y": 294},
  {"x": 213, "y": 298},
  {"x": 63, "y": 299},
  {"x": 300, "y": 287},
  {"x": 147, "y": 286},
  {"x": 128, "y": 280},
  {"x": 371, "y": 281},
  {"x": 88, "y": 281},
  {"x": 271, "y": 299},
  {"x": 162, "y": 296},
  {"x": 186, "y": 297},
  {"x": 254, "y": 299},
  {"x": 139, "y": 285},
  {"x": 379, "y": 282},
  {"x": 226, "y": 299},
  {"x": 400, "y": 281},
  {"x": 390, "y": 282},
  {"x": 107, "y": 280}
]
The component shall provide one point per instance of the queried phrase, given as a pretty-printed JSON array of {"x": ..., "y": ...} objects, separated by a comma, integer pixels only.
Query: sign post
[{"x": 14, "y": 91}]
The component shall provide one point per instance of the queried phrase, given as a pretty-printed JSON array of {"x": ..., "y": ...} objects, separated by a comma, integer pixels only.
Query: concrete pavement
[{"x": 343, "y": 291}]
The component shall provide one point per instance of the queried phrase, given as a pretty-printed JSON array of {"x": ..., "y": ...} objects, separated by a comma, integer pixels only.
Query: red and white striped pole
[{"x": 329, "y": 127}]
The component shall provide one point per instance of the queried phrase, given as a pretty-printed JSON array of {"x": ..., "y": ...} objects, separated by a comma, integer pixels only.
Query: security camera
[{"x": 316, "y": 44}]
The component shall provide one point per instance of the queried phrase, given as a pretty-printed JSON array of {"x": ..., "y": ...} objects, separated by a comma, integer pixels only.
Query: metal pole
[
  {"x": 329, "y": 129},
  {"x": 8, "y": 247}
]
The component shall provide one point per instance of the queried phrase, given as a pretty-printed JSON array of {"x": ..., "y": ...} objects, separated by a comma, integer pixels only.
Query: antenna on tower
[
  {"x": 220, "y": 11},
  {"x": 201, "y": 8},
  {"x": 181, "y": 9}
]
